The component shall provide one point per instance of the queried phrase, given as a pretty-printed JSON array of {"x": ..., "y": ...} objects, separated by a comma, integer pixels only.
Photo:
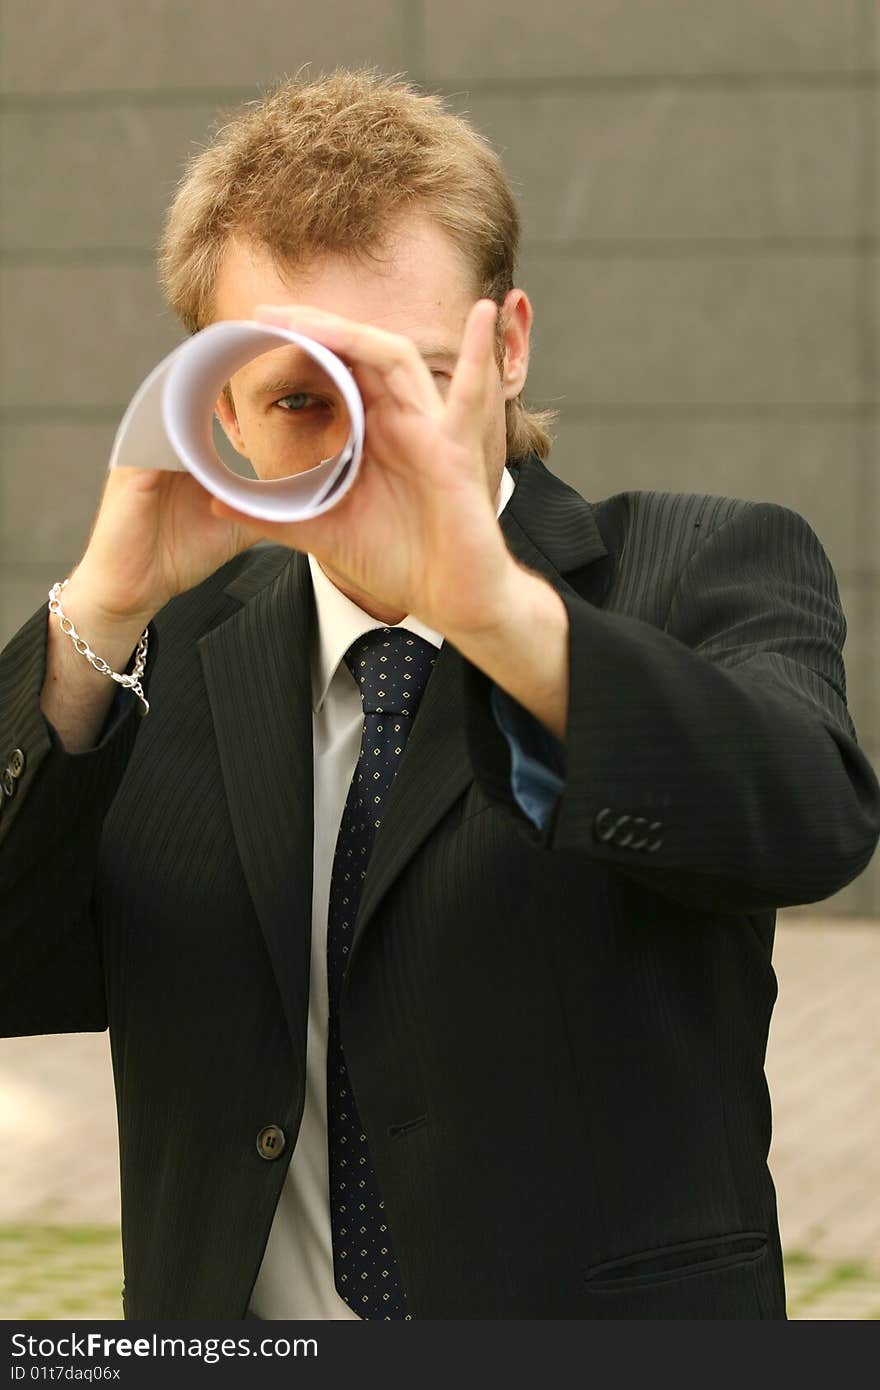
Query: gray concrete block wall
[{"x": 698, "y": 182}]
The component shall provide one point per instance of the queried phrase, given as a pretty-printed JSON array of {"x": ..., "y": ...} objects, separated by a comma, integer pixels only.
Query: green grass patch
[{"x": 53, "y": 1271}]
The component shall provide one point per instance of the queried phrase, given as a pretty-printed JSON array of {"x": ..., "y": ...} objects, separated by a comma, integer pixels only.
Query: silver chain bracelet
[{"x": 132, "y": 681}]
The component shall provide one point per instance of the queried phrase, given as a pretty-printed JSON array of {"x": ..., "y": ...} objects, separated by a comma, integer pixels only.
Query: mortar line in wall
[
  {"x": 686, "y": 248},
  {"x": 450, "y": 87},
  {"x": 593, "y": 248},
  {"x": 100, "y": 99},
  {"x": 866, "y": 586},
  {"x": 19, "y": 415},
  {"x": 626, "y": 82},
  {"x": 868, "y": 214},
  {"x": 858, "y": 577},
  {"x": 32, "y": 569},
  {"x": 48, "y": 257},
  {"x": 711, "y": 412}
]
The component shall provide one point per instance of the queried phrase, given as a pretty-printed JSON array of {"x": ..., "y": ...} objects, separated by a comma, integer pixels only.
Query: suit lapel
[
  {"x": 256, "y": 666},
  {"x": 546, "y": 524}
]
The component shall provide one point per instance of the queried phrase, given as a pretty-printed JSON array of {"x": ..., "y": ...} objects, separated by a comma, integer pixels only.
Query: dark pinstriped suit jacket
[{"x": 556, "y": 1036}]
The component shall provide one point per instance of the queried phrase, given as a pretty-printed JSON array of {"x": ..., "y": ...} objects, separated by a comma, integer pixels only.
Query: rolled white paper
[{"x": 169, "y": 422}]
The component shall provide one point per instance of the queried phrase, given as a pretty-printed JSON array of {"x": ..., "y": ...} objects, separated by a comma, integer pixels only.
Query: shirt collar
[{"x": 340, "y": 621}]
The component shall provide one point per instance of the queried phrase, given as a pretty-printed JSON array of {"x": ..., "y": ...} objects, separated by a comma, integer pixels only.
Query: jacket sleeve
[
  {"x": 712, "y": 758},
  {"x": 51, "y": 979}
]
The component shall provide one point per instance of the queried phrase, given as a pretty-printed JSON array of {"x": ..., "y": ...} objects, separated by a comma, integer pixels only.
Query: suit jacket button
[
  {"x": 16, "y": 762},
  {"x": 658, "y": 840},
  {"x": 639, "y": 824},
  {"x": 625, "y": 838},
  {"x": 8, "y": 782},
  {"x": 604, "y": 824},
  {"x": 271, "y": 1142}
]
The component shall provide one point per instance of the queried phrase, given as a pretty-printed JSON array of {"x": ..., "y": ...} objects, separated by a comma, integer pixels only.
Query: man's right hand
[{"x": 154, "y": 537}]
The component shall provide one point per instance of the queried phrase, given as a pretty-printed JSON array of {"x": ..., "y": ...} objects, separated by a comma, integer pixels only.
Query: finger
[
  {"x": 395, "y": 357},
  {"x": 469, "y": 389}
]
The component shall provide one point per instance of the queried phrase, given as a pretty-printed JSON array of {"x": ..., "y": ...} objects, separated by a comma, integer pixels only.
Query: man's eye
[{"x": 299, "y": 400}]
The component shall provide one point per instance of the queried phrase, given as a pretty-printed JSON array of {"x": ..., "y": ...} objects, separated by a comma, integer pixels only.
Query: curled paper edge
[{"x": 168, "y": 422}]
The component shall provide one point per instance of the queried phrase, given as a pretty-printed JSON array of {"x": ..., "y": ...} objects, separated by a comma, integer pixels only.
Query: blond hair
[{"x": 324, "y": 166}]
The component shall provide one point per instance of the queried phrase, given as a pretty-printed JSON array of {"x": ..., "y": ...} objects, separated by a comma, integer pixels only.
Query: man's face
[{"x": 288, "y": 415}]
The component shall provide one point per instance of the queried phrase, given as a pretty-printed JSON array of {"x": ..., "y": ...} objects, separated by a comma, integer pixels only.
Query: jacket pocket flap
[{"x": 676, "y": 1261}]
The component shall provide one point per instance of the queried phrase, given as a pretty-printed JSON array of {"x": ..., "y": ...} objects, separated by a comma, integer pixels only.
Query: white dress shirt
[{"x": 296, "y": 1274}]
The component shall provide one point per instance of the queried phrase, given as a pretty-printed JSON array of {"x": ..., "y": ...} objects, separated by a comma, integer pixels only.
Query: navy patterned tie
[{"x": 391, "y": 666}]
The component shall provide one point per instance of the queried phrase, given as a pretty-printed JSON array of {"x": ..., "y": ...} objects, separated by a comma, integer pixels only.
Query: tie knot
[{"x": 391, "y": 666}]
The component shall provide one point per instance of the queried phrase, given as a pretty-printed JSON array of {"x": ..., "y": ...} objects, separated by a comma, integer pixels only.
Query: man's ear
[
  {"x": 516, "y": 320},
  {"x": 225, "y": 412}
]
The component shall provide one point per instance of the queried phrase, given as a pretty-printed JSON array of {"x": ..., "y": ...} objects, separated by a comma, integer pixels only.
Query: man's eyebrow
[
  {"x": 292, "y": 381},
  {"x": 439, "y": 351},
  {"x": 281, "y": 383}
]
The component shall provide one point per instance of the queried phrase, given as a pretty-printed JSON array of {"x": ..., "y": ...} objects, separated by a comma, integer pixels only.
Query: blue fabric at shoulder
[{"x": 537, "y": 758}]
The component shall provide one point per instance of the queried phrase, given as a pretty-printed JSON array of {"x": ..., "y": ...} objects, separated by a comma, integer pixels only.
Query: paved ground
[
  {"x": 823, "y": 1067},
  {"x": 59, "y": 1183}
]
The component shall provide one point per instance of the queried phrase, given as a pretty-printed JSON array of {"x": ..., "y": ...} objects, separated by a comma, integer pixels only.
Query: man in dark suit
[{"x": 550, "y": 994}]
